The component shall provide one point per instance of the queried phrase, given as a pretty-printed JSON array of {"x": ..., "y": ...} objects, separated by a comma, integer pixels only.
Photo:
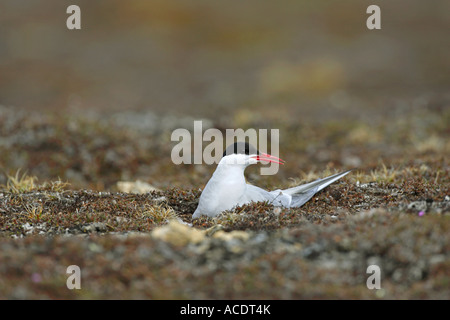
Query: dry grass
[
  {"x": 20, "y": 183},
  {"x": 56, "y": 186},
  {"x": 160, "y": 213},
  {"x": 35, "y": 212}
]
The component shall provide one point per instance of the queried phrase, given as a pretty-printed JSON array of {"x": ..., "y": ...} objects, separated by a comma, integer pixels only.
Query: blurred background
[{"x": 97, "y": 105}]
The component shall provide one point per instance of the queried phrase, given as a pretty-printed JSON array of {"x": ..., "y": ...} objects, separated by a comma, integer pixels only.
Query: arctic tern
[{"x": 228, "y": 188}]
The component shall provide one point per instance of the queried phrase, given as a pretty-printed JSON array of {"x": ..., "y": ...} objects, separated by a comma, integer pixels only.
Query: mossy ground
[{"x": 392, "y": 211}]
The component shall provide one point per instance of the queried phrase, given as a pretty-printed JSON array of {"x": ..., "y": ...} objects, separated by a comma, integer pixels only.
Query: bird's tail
[{"x": 303, "y": 193}]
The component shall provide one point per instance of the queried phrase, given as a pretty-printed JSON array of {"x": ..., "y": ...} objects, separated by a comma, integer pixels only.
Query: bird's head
[{"x": 243, "y": 153}]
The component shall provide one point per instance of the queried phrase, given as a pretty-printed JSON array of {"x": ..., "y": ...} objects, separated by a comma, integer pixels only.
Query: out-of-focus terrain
[{"x": 85, "y": 109}]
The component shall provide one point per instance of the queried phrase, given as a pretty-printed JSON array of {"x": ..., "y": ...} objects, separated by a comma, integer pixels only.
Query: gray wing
[
  {"x": 300, "y": 199},
  {"x": 292, "y": 197},
  {"x": 254, "y": 193},
  {"x": 319, "y": 184},
  {"x": 301, "y": 194},
  {"x": 277, "y": 197}
]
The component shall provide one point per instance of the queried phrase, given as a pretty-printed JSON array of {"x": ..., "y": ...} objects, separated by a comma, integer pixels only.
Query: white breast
[{"x": 223, "y": 191}]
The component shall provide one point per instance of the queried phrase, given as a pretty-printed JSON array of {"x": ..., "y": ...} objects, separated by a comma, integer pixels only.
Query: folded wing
[{"x": 292, "y": 197}]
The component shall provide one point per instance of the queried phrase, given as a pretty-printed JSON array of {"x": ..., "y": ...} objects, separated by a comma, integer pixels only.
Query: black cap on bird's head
[
  {"x": 248, "y": 149},
  {"x": 240, "y": 148}
]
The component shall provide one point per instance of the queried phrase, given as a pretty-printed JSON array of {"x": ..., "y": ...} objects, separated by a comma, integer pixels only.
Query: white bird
[{"x": 228, "y": 188}]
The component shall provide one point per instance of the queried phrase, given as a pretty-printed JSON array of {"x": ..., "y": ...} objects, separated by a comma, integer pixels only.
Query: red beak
[{"x": 268, "y": 158}]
